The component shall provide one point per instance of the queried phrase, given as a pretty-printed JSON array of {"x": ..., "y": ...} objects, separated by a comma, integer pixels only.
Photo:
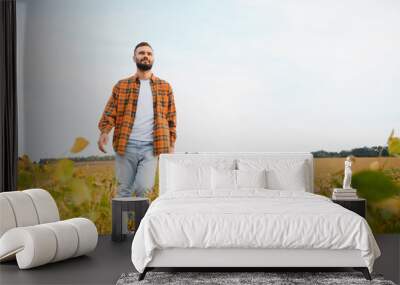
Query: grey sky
[{"x": 247, "y": 75}]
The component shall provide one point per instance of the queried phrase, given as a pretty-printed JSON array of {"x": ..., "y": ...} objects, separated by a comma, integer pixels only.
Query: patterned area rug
[{"x": 230, "y": 278}]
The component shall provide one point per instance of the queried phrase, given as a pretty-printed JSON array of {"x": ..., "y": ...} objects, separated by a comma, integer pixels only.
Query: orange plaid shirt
[{"x": 121, "y": 109}]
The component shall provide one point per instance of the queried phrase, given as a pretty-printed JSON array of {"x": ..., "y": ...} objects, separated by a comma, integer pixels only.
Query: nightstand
[
  {"x": 358, "y": 205},
  {"x": 121, "y": 207}
]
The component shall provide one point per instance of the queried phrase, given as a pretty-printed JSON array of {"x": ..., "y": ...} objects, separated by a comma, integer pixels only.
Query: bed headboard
[{"x": 165, "y": 159}]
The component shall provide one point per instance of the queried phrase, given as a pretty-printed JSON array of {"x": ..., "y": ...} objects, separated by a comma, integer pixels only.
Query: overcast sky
[{"x": 247, "y": 75}]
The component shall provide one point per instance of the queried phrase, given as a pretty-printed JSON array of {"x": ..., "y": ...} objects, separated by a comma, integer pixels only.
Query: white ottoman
[{"x": 25, "y": 237}]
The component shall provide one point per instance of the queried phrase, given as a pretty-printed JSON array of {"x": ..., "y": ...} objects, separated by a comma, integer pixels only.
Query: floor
[
  {"x": 110, "y": 260},
  {"x": 103, "y": 266}
]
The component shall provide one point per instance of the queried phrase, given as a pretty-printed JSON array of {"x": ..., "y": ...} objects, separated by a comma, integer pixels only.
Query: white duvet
[{"x": 250, "y": 218}]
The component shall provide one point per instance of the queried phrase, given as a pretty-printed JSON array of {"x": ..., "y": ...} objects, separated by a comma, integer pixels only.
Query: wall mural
[
  {"x": 85, "y": 186},
  {"x": 273, "y": 72}
]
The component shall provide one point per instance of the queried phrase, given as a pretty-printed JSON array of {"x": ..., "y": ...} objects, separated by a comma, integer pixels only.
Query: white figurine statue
[{"x": 347, "y": 172}]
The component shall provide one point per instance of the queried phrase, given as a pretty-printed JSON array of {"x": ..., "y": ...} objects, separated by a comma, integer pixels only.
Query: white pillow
[
  {"x": 289, "y": 179},
  {"x": 223, "y": 179},
  {"x": 188, "y": 177},
  {"x": 251, "y": 178},
  {"x": 282, "y": 174}
]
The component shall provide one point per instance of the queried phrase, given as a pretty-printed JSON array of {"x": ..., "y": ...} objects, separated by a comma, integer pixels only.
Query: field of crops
[{"x": 86, "y": 188}]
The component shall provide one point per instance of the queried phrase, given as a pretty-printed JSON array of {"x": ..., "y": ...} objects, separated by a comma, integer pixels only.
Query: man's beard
[{"x": 143, "y": 66}]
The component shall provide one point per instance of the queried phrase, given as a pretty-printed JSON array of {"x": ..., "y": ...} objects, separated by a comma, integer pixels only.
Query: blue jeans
[{"x": 136, "y": 169}]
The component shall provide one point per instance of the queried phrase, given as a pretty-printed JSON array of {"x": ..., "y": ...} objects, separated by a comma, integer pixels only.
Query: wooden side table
[
  {"x": 357, "y": 205},
  {"x": 121, "y": 207}
]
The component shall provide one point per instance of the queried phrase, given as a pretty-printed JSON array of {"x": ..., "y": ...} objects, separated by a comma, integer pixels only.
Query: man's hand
[
  {"x": 171, "y": 150},
  {"x": 103, "y": 139}
]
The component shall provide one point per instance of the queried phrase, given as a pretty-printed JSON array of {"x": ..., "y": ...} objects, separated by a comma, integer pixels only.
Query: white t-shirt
[{"x": 144, "y": 118}]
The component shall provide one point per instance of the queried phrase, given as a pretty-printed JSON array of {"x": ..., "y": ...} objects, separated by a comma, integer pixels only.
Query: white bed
[{"x": 282, "y": 224}]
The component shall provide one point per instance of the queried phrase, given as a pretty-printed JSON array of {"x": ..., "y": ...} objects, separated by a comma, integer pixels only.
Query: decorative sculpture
[{"x": 347, "y": 172}]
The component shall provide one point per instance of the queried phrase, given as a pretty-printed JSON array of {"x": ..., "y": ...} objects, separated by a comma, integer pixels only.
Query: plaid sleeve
[
  {"x": 171, "y": 117},
  {"x": 107, "y": 120}
]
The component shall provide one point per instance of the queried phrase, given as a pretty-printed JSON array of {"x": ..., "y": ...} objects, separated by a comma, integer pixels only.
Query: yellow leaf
[
  {"x": 393, "y": 144},
  {"x": 64, "y": 169},
  {"x": 80, "y": 193},
  {"x": 79, "y": 145}
]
